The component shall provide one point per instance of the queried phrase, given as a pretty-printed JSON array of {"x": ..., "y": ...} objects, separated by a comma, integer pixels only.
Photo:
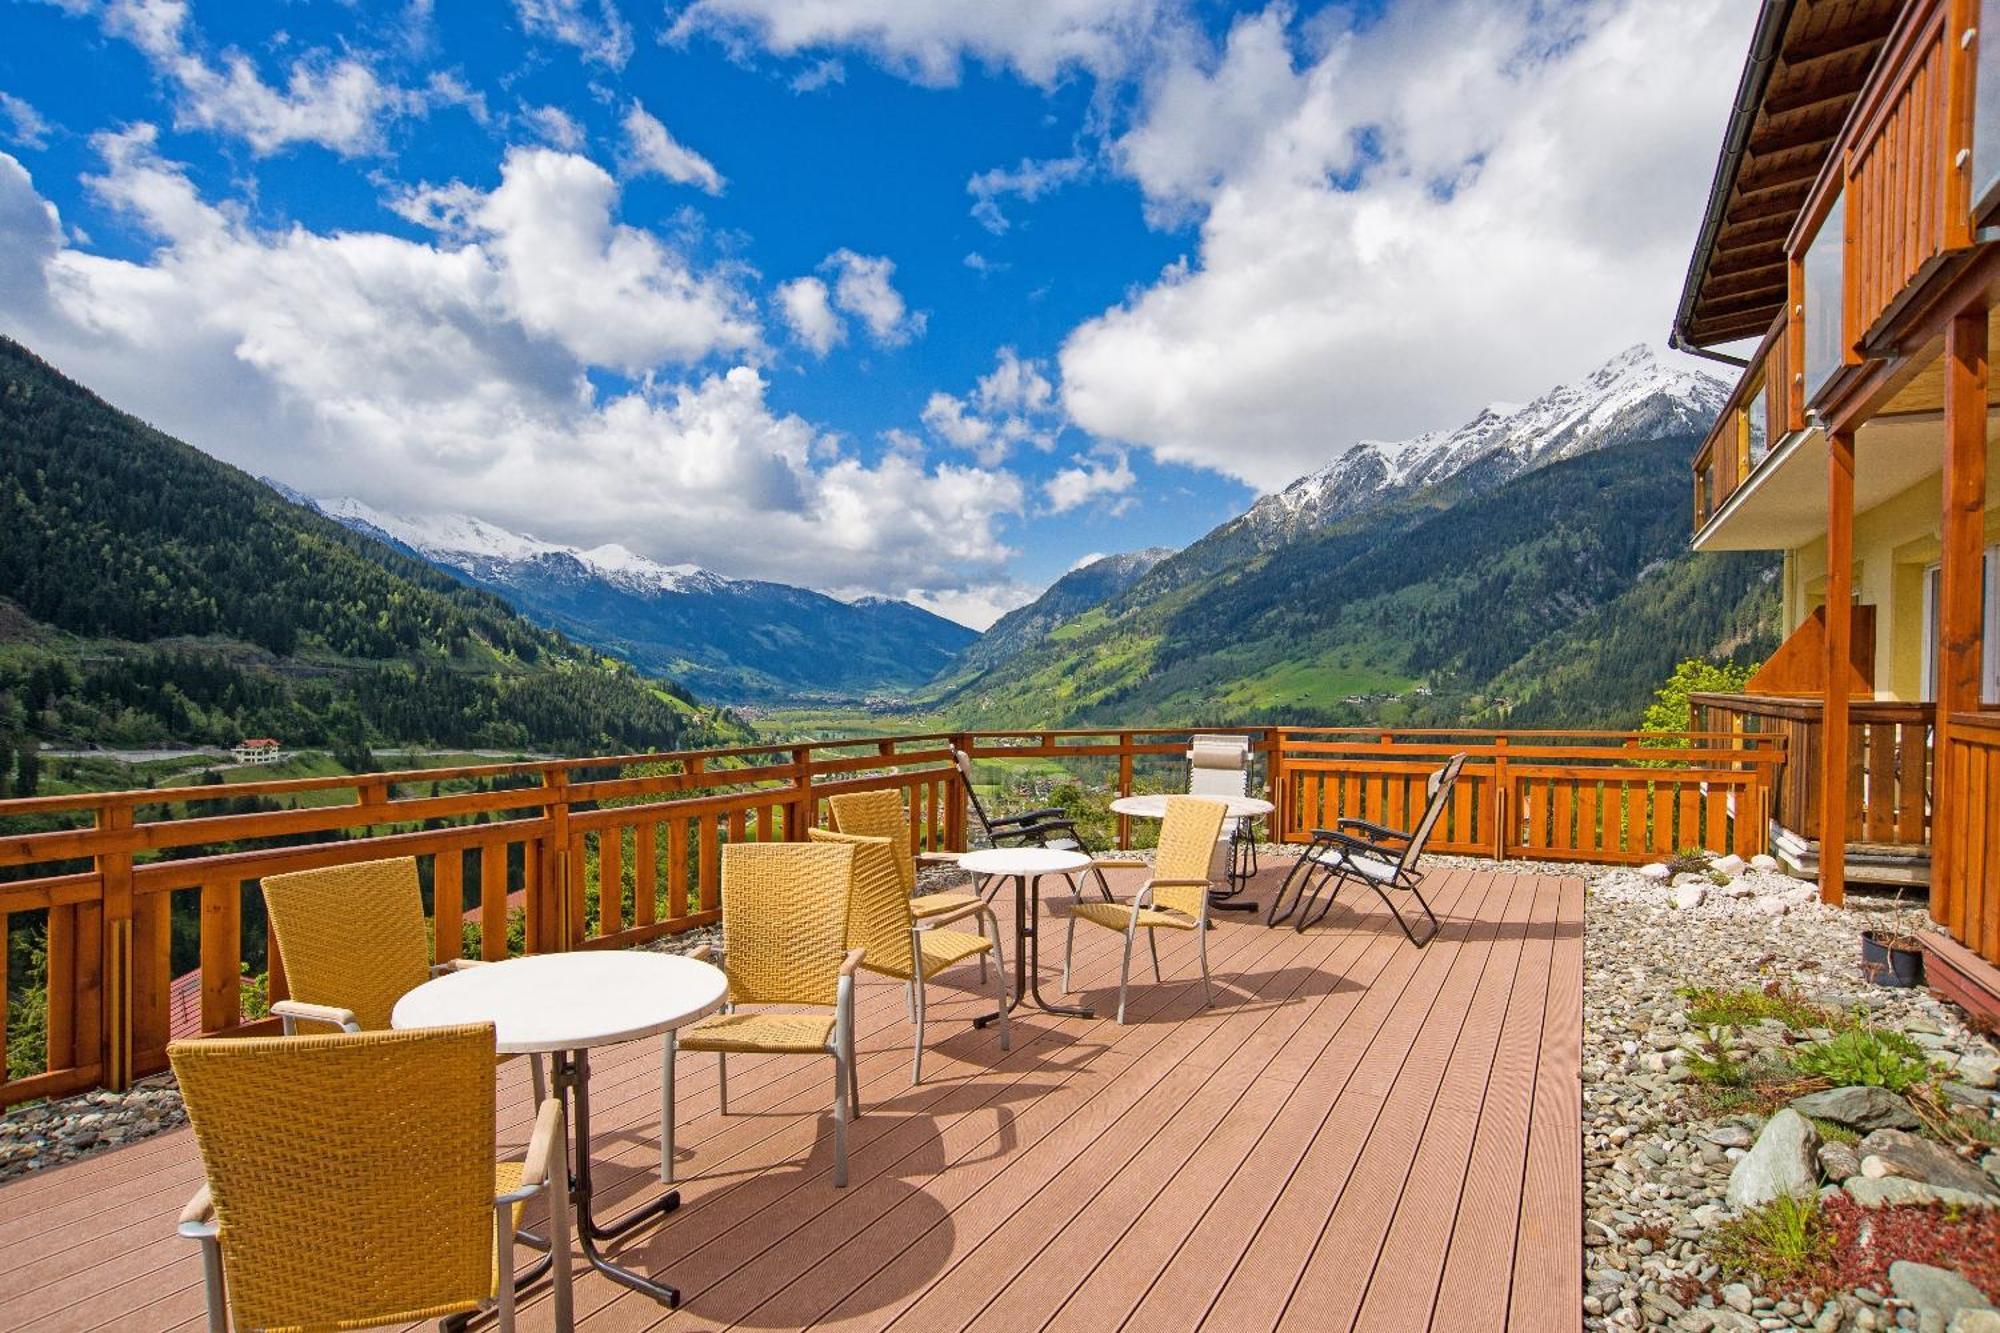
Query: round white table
[
  {"x": 1026, "y": 866},
  {"x": 1241, "y": 808},
  {"x": 562, "y": 1005}
]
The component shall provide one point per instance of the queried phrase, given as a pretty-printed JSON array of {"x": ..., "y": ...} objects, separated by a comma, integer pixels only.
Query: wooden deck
[{"x": 1361, "y": 1134}]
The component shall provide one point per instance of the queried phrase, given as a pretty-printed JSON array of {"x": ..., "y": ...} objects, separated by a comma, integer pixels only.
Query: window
[
  {"x": 1989, "y": 648},
  {"x": 1757, "y": 418}
]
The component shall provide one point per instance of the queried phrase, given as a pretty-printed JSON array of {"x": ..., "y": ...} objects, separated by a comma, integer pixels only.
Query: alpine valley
[{"x": 1530, "y": 566}]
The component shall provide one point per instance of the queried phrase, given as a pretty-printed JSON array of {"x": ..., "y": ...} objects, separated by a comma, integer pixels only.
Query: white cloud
[
  {"x": 1465, "y": 201},
  {"x": 1014, "y": 403},
  {"x": 25, "y": 127},
  {"x": 338, "y": 103},
  {"x": 1028, "y": 182},
  {"x": 603, "y": 37},
  {"x": 808, "y": 310},
  {"x": 820, "y": 74},
  {"x": 554, "y": 127},
  {"x": 1087, "y": 559},
  {"x": 983, "y": 266},
  {"x": 1088, "y": 479},
  {"x": 863, "y": 288},
  {"x": 927, "y": 40},
  {"x": 976, "y": 606},
  {"x": 649, "y": 148}
]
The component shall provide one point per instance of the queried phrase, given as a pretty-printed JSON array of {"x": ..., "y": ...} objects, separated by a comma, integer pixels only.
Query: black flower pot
[{"x": 1888, "y": 964}]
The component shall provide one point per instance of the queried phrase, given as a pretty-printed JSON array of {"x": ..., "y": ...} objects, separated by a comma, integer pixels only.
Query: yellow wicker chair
[
  {"x": 784, "y": 942},
  {"x": 896, "y": 944},
  {"x": 352, "y": 1183},
  {"x": 354, "y": 941},
  {"x": 1175, "y": 898},
  {"x": 879, "y": 814}
]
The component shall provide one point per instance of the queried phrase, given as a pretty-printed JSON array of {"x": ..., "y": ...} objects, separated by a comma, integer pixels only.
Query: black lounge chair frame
[{"x": 1049, "y": 827}]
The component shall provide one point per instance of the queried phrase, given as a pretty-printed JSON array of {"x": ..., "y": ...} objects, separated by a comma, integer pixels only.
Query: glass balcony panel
[{"x": 1825, "y": 344}]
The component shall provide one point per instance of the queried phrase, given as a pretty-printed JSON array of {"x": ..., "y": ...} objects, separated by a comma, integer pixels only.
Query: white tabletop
[
  {"x": 568, "y": 1001},
  {"x": 1155, "y": 806},
  {"x": 1022, "y": 861}
]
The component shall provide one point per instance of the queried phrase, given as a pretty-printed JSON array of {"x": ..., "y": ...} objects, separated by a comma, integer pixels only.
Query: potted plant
[{"x": 1890, "y": 958}]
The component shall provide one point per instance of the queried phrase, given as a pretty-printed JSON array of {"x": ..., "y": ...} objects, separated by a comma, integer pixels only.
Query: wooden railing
[
  {"x": 1967, "y": 902},
  {"x": 613, "y": 852},
  {"x": 1764, "y": 407},
  {"x": 1888, "y": 762}
]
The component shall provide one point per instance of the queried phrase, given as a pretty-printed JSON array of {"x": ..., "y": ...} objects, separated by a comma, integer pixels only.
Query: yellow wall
[{"x": 1894, "y": 542}]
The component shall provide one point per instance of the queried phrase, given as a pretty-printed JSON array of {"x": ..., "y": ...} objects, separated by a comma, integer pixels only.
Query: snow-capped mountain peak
[{"x": 1634, "y": 395}]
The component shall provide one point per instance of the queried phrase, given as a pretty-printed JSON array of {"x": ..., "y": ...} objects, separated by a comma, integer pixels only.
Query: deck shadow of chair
[
  {"x": 1050, "y": 827},
  {"x": 1387, "y": 859}
]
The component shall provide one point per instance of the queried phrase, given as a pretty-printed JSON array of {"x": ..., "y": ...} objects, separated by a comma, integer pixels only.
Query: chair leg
[
  {"x": 1332, "y": 883},
  {"x": 558, "y": 1196},
  {"x": 1069, "y": 948},
  {"x": 211, "y": 1272},
  {"x": 1201, "y": 945},
  {"x": 980, "y": 922},
  {"x": 503, "y": 1248},
  {"x": 840, "y": 1082},
  {"x": 910, "y": 1000},
  {"x": 853, "y": 1088},
  {"x": 917, "y": 1055},
  {"x": 1103, "y": 885},
  {"x": 1000, "y": 991},
  {"x": 1408, "y": 934},
  {"x": 1277, "y": 911},
  {"x": 1153, "y": 943},
  {"x": 722, "y": 1081},
  {"x": 668, "y": 1047},
  {"x": 1124, "y": 976}
]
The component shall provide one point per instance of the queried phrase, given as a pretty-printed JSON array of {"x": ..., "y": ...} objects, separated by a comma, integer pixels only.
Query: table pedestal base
[
  {"x": 570, "y": 1077},
  {"x": 1028, "y": 955}
]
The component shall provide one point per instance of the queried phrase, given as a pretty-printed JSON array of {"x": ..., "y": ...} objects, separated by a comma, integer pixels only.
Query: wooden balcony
[
  {"x": 1889, "y": 804},
  {"x": 1765, "y": 406},
  {"x": 1360, "y": 1135}
]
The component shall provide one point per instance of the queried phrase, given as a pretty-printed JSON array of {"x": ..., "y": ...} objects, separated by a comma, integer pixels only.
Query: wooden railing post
[
  {"x": 114, "y": 871},
  {"x": 1274, "y": 746},
  {"x": 559, "y": 877},
  {"x": 1124, "y": 785},
  {"x": 958, "y": 811},
  {"x": 1501, "y": 813},
  {"x": 800, "y": 813}
]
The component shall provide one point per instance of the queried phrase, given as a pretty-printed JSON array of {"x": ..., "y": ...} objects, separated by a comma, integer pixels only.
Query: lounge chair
[
  {"x": 784, "y": 942},
  {"x": 1219, "y": 765},
  {"x": 1175, "y": 898},
  {"x": 352, "y": 1183},
  {"x": 895, "y": 944},
  {"x": 1049, "y": 827},
  {"x": 1385, "y": 859}
]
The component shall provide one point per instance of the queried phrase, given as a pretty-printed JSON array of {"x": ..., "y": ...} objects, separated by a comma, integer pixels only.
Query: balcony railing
[
  {"x": 1765, "y": 406},
  {"x": 1967, "y": 903},
  {"x": 613, "y": 852}
]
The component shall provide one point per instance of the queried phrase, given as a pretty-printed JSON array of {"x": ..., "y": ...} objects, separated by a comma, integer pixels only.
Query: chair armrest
[
  {"x": 298, "y": 1011},
  {"x": 701, "y": 953},
  {"x": 198, "y": 1218},
  {"x": 955, "y": 914},
  {"x": 851, "y": 963},
  {"x": 1353, "y": 844},
  {"x": 450, "y": 965},
  {"x": 1119, "y": 863},
  {"x": 1030, "y": 817},
  {"x": 1382, "y": 831},
  {"x": 938, "y": 858},
  {"x": 542, "y": 1147},
  {"x": 1179, "y": 883}
]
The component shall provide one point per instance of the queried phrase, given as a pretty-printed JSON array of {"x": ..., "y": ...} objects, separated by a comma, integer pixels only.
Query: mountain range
[
  {"x": 737, "y": 640},
  {"x": 1530, "y": 565}
]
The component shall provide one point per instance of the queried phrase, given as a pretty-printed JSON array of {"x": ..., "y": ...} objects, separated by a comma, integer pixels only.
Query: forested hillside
[{"x": 150, "y": 593}]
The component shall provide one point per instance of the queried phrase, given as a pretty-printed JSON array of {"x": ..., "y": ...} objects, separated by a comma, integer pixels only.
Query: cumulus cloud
[
  {"x": 929, "y": 40},
  {"x": 808, "y": 310},
  {"x": 24, "y": 126},
  {"x": 649, "y": 148},
  {"x": 1013, "y": 404},
  {"x": 863, "y": 287},
  {"x": 599, "y": 33},
  {"x": 453, "y": 374},
  {"x": 1090, "y": 478},
  {"x": 977, "y": 605},
  {"x": 1464, "y": 201},
  {"x": 337, "y": 102},
  {"x": 1027, "y": 182}
]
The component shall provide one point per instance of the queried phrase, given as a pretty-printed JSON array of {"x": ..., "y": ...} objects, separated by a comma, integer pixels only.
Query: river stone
[
  {"x": 1859, "y": 1108},
  {"x": 1690, "y": 895},
  {"x": 1937, "y": 1293},
  {"x": 1728, "y": 865},
  {"x": 1977, "y": 1073},
  {"x": 1770, "y": 906},
  {"x": 1781, "y": 1162},
  {"x": 1974, "y": 1321},
  {"x": 1893, "y": 1190},
  {"x": 1921, "y": 1160},
  {"x": 1763, "y": 861},
  {"x": 1838, "y": 1161},
  {"x": 1657, "y": 870}
]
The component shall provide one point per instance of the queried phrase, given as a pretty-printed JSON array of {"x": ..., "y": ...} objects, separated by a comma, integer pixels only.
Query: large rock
[
  {"x": 1781, "y": 1162},
  {"x": 1891, "y": 1191},
  {"x": 1934, "y": 1293},
  {"x": 1906, "y": 1155},
  {"x": 1656, "y": 871},
  {"x": 1763, "y": 862},
  {"x": 1858, "y": 1108},
  {"x": 1690, "y": 895},
  {"x": 1838, "y": 1161},
  {"x": 1974, "y": 1321},
  {"x": 1728, "y": 865}
]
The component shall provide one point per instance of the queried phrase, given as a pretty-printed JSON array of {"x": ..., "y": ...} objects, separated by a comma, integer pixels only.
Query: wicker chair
[
  {"x": 896, "y": 944},
  {"x": 784, "y": 942},
  {"x": 354, "y": 941},
  {"x": 1385, "y": 858},
  {"x": 351, "y": 1179},
  {"x": 1175, "y": 898},
  {"x": 879, "y": 814}
]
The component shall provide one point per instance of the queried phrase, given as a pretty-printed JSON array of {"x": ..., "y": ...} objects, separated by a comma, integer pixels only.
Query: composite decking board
[
  {"x": 1125, "y": 1250},
  {"x": 1037, "y": 1189},
  {"x": 1478, "y": 1265},
  {"x": 1549, "y": 1243},
  {"x": 1113, "y": 1175},
  {"x": 1403, "y": 1286},
  {"x": 1184, "y": 1287},
  {"x": 900, "y": 1230},
  {"x": 1258, "y": 1291},
  {"x": 1352, "y": 1240}
]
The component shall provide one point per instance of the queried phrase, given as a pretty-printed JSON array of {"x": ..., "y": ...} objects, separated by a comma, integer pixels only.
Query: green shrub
[
  {"x": 1711, "y": 1006},
  {"x": 1865, "y": 1057}
]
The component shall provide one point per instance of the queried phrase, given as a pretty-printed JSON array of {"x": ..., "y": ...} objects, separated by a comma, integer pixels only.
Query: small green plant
[
  {"x": 1867, "y": 1057},
  {"x": 1785, "y": 1243},
  {"x": 1713, "y": 1006},
  {"x": 1688, "y": 861},
  {"x": 1834, "y": 1132},
  {"x": 1717, "y": 1062}
]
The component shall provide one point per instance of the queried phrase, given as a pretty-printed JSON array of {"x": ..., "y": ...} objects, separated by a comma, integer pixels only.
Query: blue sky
[{"x": 902, "y": 296}]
